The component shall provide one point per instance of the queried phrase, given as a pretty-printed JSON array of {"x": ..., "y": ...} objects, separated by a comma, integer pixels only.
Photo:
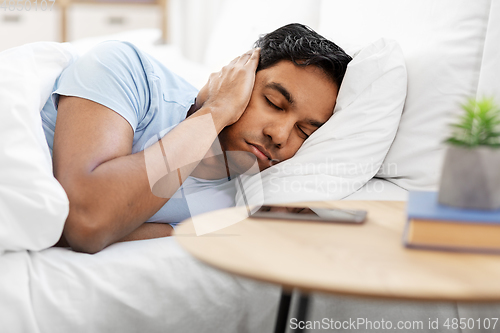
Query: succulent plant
[{"x": 479, "y": 126}]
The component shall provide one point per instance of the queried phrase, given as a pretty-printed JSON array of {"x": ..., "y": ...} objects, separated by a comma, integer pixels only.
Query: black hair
[{"x": 302, "y": 46}]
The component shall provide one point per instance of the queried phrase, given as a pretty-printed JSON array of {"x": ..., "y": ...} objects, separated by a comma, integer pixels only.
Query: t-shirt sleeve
[{"x": 111, "y": 74}]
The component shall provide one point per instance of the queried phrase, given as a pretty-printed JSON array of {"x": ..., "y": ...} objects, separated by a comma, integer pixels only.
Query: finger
[
  {"x": 244, "y": 57},
  {"x": 241, "y": 59},
  {"x": 213, "y": 76},
  {"x": 234, "y": 61},
  {"x": 248, "y": 53},
  {"x": 254, "y": 57}
]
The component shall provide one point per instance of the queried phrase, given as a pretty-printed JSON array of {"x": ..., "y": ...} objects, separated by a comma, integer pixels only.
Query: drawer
[
  {"x": 89, "y": 20},
  {"x": 20, "y": 27}
]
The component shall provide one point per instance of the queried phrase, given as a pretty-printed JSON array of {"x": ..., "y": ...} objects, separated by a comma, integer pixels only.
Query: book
[{"x": 434, "y": 226}]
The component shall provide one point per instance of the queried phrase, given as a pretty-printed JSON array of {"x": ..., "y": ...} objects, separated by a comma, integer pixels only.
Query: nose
[{"x": 279, "y": 131}]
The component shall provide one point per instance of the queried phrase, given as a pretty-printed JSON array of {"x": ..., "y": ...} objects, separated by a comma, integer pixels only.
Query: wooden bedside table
[{"x": 364, "y": 260}]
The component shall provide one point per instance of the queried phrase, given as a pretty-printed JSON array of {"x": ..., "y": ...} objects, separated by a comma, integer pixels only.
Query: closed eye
[
  {"x": 272, "y": 104},
  {"x": 305, "y": 134}
]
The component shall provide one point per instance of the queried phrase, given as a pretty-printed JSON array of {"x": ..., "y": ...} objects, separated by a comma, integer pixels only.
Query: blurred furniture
[
  {"x": 21, "y": 27},
  {"x": 68, "y": 20},
  {"x": 341, "y": 258},
  {"x": 90, "y": 18}
]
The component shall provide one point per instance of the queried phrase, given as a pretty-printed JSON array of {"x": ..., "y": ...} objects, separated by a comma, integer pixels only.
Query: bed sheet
[
  {"x": 149, "y": 286},
  {"x": 141, "y": 286},
  {"x": 155, "y": 286},
  {"x": 379, "y": 189}
]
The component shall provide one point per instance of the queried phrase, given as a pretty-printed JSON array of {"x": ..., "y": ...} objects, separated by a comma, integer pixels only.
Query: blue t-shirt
[{"x": 151, "y": 98}]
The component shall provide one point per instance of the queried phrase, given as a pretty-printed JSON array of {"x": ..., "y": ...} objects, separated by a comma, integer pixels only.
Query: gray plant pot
[{"x": 471, "y": 178}]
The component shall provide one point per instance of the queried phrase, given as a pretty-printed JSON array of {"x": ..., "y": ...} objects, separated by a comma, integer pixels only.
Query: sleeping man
[{"x": 122, "y": 117}]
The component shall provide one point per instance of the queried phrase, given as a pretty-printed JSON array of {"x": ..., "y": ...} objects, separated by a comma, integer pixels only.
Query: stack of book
[{"x": 434, "y": 226}]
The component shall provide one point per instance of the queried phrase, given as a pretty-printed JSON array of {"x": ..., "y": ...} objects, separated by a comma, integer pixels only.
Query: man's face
[{"x": 288, "y": 104}]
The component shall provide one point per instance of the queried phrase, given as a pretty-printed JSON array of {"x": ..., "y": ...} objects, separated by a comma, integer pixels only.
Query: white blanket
[
  {"x": 154, "y": 286},
  {"x": 33, "y": 205},
  {"x": 143, "y": 286}
]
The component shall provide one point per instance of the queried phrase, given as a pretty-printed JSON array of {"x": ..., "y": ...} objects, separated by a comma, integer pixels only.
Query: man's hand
[{"x": 228, "y": 91}]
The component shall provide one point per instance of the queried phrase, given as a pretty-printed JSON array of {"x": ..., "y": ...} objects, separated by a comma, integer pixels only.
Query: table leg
[
  {"x": 302, "y": 310},
  {"x": 284, "y": 307}
]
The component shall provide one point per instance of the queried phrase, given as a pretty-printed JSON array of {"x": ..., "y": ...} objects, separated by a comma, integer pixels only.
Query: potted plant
[{"x": 471, "y": 170}]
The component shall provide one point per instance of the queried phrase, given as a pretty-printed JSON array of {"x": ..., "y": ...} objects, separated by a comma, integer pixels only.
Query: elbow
[
  {"x": 84, "y": 234},
  {"x": 87, "y": 226}
]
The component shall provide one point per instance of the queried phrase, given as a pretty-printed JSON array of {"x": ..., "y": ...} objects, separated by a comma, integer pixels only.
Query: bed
[
  {"x": 147, "y": 286},
  {"x": 155, "y": 286},
  {"x": 151, "y": 285}
]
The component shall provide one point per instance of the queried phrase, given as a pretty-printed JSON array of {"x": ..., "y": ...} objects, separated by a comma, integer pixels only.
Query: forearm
[
  {"x": 145, "y": 231},
  {"x": 149, "y": 231},
  {"x": 111, "y": 191},
  {"x": 116, "y": 197},
  {"x": 109, "y": 203}
]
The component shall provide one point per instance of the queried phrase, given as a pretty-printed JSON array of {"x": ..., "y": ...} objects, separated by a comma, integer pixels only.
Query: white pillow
[
  {"x": 489, "y": 84},
  {"x": 443, "y": 44},
  {"x": 347, "y": 151},
  {"x": 33, "y": 205}
]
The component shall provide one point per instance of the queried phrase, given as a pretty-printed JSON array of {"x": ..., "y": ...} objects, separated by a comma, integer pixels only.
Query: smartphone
[{"x": 310, "y": 214}]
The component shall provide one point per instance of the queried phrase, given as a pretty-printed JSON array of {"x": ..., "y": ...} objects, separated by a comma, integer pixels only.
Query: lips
[{"x": 260, "y": 152}]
